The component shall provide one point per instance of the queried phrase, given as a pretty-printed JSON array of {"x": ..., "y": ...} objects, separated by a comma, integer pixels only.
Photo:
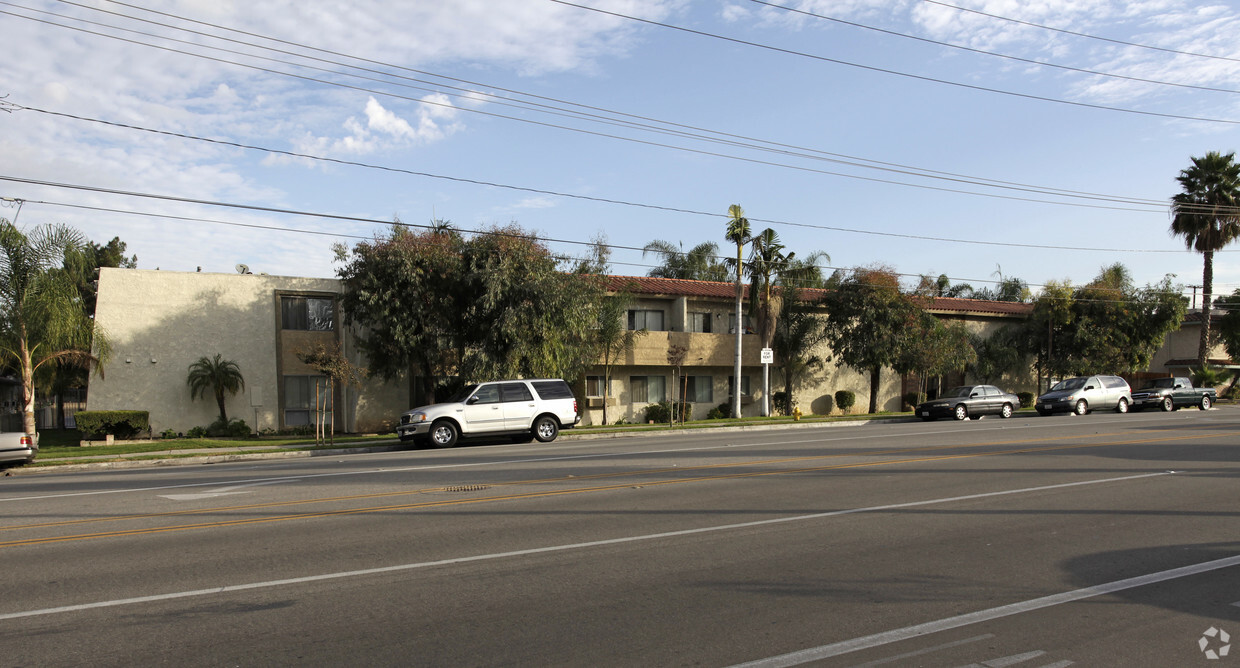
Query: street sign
[{"x": 768, "y": 356}]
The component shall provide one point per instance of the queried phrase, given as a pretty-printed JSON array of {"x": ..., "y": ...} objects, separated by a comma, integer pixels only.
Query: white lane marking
[
  {"x": 925, "y": 651},
  {"x": 896, "y": 635},
  {"x": 222, "y": 491},
  {"x": 501, "y": 462},
  {"x": 559, "y": 548},
  {"x": 1006, "y": 661}
]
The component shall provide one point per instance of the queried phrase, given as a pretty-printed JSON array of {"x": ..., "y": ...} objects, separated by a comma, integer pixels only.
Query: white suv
[{"x": 539, "y": 408}]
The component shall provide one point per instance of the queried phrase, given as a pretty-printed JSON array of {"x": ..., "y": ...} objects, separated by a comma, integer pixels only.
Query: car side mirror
[
  {"x": 1089, "y": 387},
  {"x": 1177, "y": 387},
  {"x": 975, "y": 394},
  {"x": 471, "y": 401}
]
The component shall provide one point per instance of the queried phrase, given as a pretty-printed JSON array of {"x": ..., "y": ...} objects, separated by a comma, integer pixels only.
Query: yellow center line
[
  {"x": 541, "y": 481},
  {"x": 584, "y": 490}
]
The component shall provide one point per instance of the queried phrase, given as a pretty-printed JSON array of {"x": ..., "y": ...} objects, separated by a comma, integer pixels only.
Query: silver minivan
[{"x": 1083, "y": 394}]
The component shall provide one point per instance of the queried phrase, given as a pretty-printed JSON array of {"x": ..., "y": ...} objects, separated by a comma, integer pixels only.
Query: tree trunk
[
  {"x": 219, "y": 399},
  {"x": 1207, "y": 290},
  {"x": 27, "y": 389},
  {"x": 875, "y": 373}
]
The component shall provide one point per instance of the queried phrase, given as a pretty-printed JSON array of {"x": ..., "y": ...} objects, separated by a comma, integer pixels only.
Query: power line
[
  {"x": 1080, "y": 34},
  {"x": 802, "y": 54},
  {"x": 558, "y": 257},
  {"x": 1030, "y": 61},
  {"x": 587, "y": 197},
  {"x": 794, "y": 151}
]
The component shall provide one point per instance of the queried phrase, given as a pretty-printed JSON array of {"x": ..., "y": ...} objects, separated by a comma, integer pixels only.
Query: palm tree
[
  {"x": 216, "y": 375},
  {"x": 43, "y": 320},
  {"x": 697, "y": 264},
  {"x": 738, "y": 233},
  {"x": 1207, "y": 215}
]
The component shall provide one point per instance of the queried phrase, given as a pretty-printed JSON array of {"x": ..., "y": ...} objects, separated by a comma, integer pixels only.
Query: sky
[{"x": 974, "y": 138}]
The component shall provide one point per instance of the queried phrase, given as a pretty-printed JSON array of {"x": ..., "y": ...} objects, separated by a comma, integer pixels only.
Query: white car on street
[{"x": 537, "y": 408}]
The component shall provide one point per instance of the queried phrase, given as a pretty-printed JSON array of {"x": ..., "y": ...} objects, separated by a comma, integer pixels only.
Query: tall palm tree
[
  {"x": 738, "y": 233},
  {"x": 1207, "y": 215},
  {"x": 216, "y": 375},
  {"x": 42, "y": 317}
]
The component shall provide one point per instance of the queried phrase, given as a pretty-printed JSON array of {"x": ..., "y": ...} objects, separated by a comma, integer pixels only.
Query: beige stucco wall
[{"x": 160, "y": 322}]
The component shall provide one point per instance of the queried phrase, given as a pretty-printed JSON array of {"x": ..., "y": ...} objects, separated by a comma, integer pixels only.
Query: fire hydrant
[{"x": 796, "y": 413}]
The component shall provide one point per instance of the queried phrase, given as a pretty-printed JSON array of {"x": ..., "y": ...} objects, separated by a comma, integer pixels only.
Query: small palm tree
[
  {"x": 1207, "y": 215},
  {"x": 216, "y": 375}
]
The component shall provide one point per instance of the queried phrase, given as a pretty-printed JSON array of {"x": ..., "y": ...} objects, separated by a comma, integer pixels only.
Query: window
[
  {"x": 699, "y": 322},
  {"x": 744, "y": 385},
  {"x": 516, "y": 392},
  {"x": 732, "y": 324},
  {"x": 698, "y": 389},
  {"x": 486, "y": 394},
  {"x": 301, "y": 393},
  {"x": 554, "y": 389},
  {"x": 647, "y": 389},
  {"x": 308, "y": 313},
  {"x": 648, "y": 320},
  {"x": 594, "y": 386}
]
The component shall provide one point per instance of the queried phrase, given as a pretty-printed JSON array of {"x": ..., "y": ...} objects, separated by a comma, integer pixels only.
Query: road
[{"x": 1100, "y": 540}]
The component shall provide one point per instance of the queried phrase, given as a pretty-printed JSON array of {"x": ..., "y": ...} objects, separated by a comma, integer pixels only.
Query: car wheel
[
  {"x": 1081, "y": 407},
  {"x": 443, "y": 434},
  {"x": 1168, "y": 405},
  {"x": 1122, "y": 406},
  {"x": 546, "y": 429},
  {"x": 1205, "y": 403},
  {"x": 962, "y": 412},
  {"x": 1006, "y": 411}
]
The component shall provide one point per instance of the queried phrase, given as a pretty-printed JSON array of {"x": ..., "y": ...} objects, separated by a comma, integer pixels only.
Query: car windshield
[
  {"x": 463, "y": 394},
  {"x": 1069, "y": 384},
  {"x": 960, "y": 391}
]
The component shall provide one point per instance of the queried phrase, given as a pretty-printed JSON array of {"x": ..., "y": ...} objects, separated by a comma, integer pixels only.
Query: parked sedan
[{"x": 969, "y": 401}]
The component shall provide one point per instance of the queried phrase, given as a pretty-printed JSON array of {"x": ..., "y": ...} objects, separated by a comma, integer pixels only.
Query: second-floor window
[
  {"x": 648, "y": 320},
  {"x": 308, "y": 313},
  {"x": 699, "y": 322}
]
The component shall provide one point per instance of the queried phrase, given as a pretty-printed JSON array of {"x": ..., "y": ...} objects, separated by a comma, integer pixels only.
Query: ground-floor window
[
  {"x": 647, "y": 389},
  {"x": 744, "y": 385},
  {"x": 698, "y": 389},
  {"x": 594, "y": 386},
  {"x": 303, "y": 395}
]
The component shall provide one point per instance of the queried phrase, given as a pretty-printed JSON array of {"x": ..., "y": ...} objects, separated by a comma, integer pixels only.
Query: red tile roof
[{"x": 646, "y": 285}]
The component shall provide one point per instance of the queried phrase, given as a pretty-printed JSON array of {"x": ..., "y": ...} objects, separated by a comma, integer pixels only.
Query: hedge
[{"x": 121, "y": 424}]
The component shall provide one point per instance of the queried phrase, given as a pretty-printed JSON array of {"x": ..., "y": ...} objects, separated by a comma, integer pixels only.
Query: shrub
[
  {"x": 168, "y": 433},
  {"x": 845, "y": 399},
  {"x": 719, "y": 412},
  {"x": 911, "y": 399},
  {"x": 197, "y": 432},
  {"x": 232, "y": 429},
  {"x": 660, "y": 412},
  {"x": 1026, "y": 399},
  {"x": 121, "y": 424},
  {"x": 781, "y": 403}
]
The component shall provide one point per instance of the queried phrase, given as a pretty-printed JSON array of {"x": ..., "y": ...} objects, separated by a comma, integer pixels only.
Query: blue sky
[{"x": 809, "y": 83}]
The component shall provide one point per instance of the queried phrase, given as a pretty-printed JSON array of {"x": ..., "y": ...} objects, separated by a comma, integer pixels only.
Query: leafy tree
[
  {"x": 331, "y": 362},
  {"x": 217, "y": 376},
  {"x": 1229, "y": 330},
  {"x": 598, "y": 261},
  {"x": 1207, "y": 215},
  {"x": 1047, "y": 329},
  {"x": 1000, "y": 354},
  {"x": 932, "y": 348},
  {"x": 42, "y": 319},
  {"x": 867, "y": 321},
  {"x": 1108, "y": 325},
  {"x": 698, "y": 263},
  {"x": 492, "y": 306},
  {"x": 738, "y": 233},
  {"x": 613, "y": 337}
]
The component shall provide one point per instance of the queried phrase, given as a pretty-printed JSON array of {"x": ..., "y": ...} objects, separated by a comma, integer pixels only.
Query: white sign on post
[{"x": 768, "y": 356}]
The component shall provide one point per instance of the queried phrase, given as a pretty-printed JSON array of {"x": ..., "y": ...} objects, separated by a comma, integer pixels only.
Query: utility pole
[{"x": 1194, "y": 302}]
